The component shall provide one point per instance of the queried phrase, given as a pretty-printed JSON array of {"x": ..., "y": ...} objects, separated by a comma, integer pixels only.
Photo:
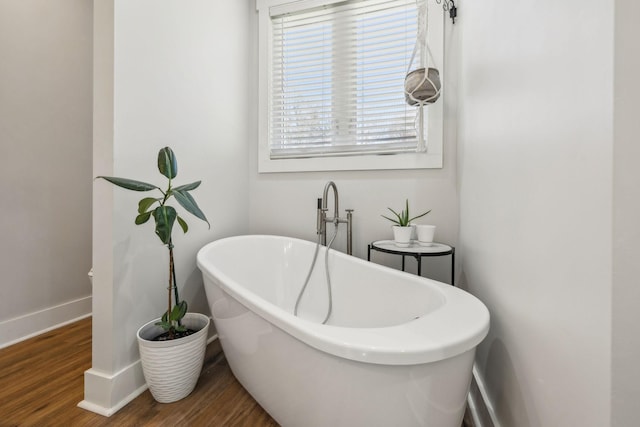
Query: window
[{"x": 331, "y": 86}]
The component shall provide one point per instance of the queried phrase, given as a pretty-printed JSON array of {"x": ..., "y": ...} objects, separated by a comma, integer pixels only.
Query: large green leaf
[
  {"x": 167, "y": 163},
  {"x": 178, "y": 311},
  {"x": 187, "y": 201},
  {"x": 145, "y": 204},
  {"x": 183, "y": 224},
  {"x": 143, "y": 217},
  {"x": 165, "y": 216},
  {"x": 188, "y": 187},
  {"x": 129, "y": 184}
]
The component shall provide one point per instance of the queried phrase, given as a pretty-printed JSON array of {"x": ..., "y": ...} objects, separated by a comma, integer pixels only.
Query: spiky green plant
[
  {"x": 402, "y": 219},
  {"x": 165, "y": 216}
]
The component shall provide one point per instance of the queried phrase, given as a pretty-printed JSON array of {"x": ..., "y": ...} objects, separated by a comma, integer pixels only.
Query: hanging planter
[{"x": 422, "y": 86}]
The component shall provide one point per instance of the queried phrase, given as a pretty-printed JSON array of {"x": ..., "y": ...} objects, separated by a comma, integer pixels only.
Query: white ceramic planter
[
  {"x": 402, "y": 235},
  {"x": 171, "y": 368},
  {"x": 425, "y": 234}
]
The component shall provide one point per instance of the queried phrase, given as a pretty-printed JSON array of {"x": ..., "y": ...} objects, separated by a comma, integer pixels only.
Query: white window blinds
[{"x": 337, "y": 76}]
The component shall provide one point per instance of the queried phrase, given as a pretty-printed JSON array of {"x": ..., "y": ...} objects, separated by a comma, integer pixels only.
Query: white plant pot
[
  {"x": 172, "y": 368},
  {"x": 425, "y": 234},
  {"x": 402, "y": 235}
]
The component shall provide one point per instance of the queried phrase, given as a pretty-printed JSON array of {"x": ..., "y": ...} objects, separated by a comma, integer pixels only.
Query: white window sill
[{"x": 352, "y": 163}]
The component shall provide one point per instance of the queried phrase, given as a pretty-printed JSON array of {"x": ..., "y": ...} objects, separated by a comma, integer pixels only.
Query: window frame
[{"x": 431, "y": 159}]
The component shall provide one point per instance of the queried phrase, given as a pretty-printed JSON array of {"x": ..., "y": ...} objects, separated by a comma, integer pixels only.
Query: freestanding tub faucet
[{"x": 323, "y": 219}]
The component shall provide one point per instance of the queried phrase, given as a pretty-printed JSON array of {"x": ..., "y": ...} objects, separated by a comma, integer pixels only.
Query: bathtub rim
[{"x": 458, "y": 326}]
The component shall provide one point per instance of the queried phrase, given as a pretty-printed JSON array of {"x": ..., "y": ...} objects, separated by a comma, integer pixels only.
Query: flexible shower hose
[{"x": 326, "y": 271}]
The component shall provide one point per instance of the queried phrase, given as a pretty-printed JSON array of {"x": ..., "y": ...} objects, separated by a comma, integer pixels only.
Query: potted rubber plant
[
  {"x": 171, "y": 347},
  {"x": 402, "y": 229}
]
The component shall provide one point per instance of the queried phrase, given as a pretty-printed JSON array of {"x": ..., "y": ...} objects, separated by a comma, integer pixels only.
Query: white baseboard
[
  {"x": 479, "y": 404},
  {"x": 106, "y": 394},
  {"x": 212, "y": 338},
  {"x": 33, "y": 324}
]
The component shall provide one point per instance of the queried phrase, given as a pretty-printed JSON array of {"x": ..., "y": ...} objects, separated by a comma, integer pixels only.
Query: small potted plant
[
  {"x": 402, "y": 229},
  {"x": 172, "y": 347}
]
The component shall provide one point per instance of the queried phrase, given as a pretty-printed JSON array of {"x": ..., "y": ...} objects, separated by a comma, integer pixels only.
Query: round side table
[{"x": 415, "y": 250}]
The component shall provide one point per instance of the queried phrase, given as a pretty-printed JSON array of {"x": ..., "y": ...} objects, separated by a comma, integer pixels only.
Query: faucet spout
[
  {"x": 322, "y": 219},
  {"x": 325, "y": 193}
]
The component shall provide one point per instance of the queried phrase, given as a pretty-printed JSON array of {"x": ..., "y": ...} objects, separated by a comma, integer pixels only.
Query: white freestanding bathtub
[{"x": 398, "y": 349}]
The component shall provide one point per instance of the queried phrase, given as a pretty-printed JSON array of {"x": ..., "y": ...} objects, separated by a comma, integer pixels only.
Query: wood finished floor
[{"x": 41, "y": 382}]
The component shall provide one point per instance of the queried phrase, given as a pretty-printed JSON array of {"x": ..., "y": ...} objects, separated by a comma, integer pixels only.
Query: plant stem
[
  {"x": 175, "y": 285},
  {"x": 171, "y": 284}
]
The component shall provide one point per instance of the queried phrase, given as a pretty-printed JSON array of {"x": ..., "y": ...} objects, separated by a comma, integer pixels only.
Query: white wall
[
  {"x": 167, "y": 73},
  {"x": 626, "y": 212},
  {"x": 535, "y": 166},
  {"x": 45, "y": 145}
]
